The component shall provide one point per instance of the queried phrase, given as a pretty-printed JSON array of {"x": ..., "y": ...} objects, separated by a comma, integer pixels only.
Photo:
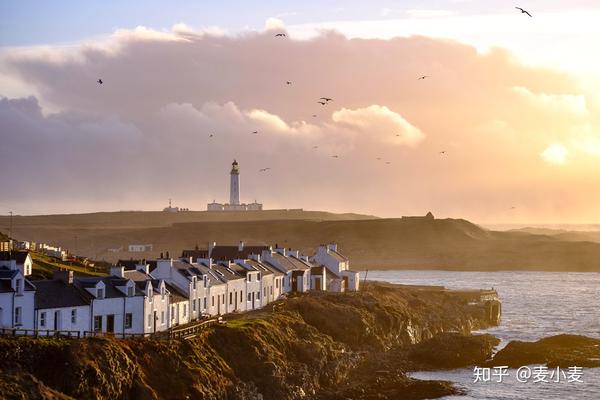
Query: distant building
[
  {"x": 139, "y": 248},
  {"x": 20, "y": 260},
  {"x": 172, "y": 209},
  {"x": 234, "y": 195}
]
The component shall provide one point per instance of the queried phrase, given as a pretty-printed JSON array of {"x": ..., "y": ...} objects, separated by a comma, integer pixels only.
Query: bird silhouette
[
  {"x": 254, "y": 133},
  {"x": 335, "y": 156},
  {"x": 397, "y": 135},
  {"x": 523, "y": 11},
  {"x": 327, "y": 99},
  {"x": 288, "y": 82},
  {"x": 322, "y": 102},
  {"x": 388, "y": 162},
  {"x": 211, "y": 135},
  {"x": 423, "y": 77},
  {"x": 314, "y": 115},
  {"x": 280, "y": 35},
  {"x": 100, "y": 81},
  {"x": 264, "y": 169},
  {"x": 443, "y": 152},
  {"x": 315, "y": 147}
]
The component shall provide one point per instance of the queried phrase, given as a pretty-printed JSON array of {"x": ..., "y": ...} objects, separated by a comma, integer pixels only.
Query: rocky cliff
[{"x": 316, "y": 346}]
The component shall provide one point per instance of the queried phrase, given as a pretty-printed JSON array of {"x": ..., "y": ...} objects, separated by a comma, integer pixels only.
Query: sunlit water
[{"x": 534, "y": 305}]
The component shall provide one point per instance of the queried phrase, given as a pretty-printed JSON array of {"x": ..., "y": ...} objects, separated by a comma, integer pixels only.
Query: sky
[{"x": 503, "y": 129}]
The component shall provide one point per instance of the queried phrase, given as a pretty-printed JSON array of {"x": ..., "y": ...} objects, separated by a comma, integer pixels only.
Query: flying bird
[
  {"x": 327, "y": 99},
  {"x": 264, "y": 169},
  {"x": 335, "y": 156},
  {"x": 322, "y": 102},
  {"x": 315, "y": 147},
  {"x": 388, "y": 162},
  {"x": 280, "y": 35},
  {"x": 254, "y": 133},
  {"x": 423, "y": 77},
  {"x": 100, "y": 81},
  {"x": 443, "y": 152},
  {"x": 211, "y": 135},
  {"x": 314, "y": 115},
  {"x": 397, "y": 135},
  {"x": 523, "y": 11},
  {"x": 288, "y": 82}
]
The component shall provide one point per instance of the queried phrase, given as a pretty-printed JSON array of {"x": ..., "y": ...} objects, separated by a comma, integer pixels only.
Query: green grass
[{"x": 44, "y": 266}]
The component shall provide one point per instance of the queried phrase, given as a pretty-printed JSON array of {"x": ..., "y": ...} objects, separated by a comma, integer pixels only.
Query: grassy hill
[{"x": 370, "y": 243}]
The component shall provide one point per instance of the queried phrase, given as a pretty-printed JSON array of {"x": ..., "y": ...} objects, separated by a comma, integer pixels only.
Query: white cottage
[
  {"x": 20, "y": 260},
  {"x": 61, "y": 306},
  {"x": 16, "y": 300},
  {"x": 340, "y": 276}
]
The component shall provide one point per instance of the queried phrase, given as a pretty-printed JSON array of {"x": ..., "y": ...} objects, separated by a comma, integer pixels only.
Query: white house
[
  {"x": 16, "y": 300},
  {"x": 59, "y": 305},
  {"x": 338, "y": 268},
  {"x": 116, "y": 305},
  {"x": 217, "y": 301},
  {"x": 17, "y": 260},
  {"x": 297, "y": 272}
]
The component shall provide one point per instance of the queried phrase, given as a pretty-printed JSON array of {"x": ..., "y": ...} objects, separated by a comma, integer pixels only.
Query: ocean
[{"x": 534, "y": 305}]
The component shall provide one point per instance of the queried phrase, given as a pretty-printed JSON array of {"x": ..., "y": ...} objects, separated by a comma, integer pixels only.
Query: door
[
  {"x": 317, "y": 283},
  {"x": 57, "y": 324},
  {"x": 155, "y": 319},
  {"x": 345, "y": 283},
  {"x": 253, "y": 300},
  {"x": 294, "y": 284},
  {"x": 110, "y": 323}
]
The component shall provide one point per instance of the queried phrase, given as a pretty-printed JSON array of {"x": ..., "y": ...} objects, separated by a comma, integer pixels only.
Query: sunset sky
[{"x": 513, "y": 101}]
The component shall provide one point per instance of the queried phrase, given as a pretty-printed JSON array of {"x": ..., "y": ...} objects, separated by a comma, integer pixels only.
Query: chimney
[
  {"x": 63, "y": 275},
  {"x": 168, "y": 254},
  {"x": 161, "y": 255},
  {"x": 211, "y": 246},
  {"x": 241, "y": 245}
]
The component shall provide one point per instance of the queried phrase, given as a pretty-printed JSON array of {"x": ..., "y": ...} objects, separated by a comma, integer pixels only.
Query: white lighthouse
[
  {"x": 234, "y": 188},
  {"x": 234, "y": 195}
]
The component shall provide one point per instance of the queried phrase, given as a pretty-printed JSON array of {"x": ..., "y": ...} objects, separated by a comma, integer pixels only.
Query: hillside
[{"x": 411, "y": 243}]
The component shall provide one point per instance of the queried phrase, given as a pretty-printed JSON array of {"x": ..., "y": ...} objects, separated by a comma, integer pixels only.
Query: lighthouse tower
[{"x": 234, "y": 190}]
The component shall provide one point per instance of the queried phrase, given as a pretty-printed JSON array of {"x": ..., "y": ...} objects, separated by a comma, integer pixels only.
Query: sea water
[{"x": 534, "y": 305}]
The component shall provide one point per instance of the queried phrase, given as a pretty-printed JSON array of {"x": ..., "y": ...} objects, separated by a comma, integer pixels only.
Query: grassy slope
[{"x": 44, "y": 266}]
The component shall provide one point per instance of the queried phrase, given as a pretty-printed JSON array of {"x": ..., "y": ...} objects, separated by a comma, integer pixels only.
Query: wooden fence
[{"x": 39, "y": 333}]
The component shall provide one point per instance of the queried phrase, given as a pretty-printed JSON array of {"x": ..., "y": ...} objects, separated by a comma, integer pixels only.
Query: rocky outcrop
[
  {"x": 317, "y": 346},
  {"x": 562, "y": 350}
]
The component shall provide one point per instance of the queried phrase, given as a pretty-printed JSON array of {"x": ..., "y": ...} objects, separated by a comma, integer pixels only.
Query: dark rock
[{"x": 561, "y": 350}]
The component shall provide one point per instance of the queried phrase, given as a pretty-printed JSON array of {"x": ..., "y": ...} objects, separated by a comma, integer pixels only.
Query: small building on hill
[{"x": 20, "y": 260}]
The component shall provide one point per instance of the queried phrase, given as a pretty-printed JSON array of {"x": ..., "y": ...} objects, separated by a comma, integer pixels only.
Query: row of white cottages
[{"x": 144, "y": 297}]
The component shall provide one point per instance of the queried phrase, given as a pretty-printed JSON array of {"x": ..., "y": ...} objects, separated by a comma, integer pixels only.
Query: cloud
[
  {"x": 555, "y": 154},
  {"x": 381, "y": 123},
  {"x": 144, "y": 135}
]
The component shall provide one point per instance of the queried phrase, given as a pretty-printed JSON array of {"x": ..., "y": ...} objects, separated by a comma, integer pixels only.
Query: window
[
  {"x": 98, "y": 323},
  {"x": 271, "y": 288},
  {"x": 230, "y": 298},
  {"x": 223, "y": 299},
  {"x": 258, "y": 295},
  {"x": 265, "y": 291},
  {"x": 43, "y": 319},
  {"x": 213, "y": 301},
  {"x": 205, "y": 303},
  {"x": 194, "y": 305},
  {"x": 128, "y": 320},
  {"x": 19, "y": 286},
  {"x": 277, "y": 283},
  {"x": 18, "y": 316},
  {"x": 249, "y": 277},
  {"x": 100, "y": 293},
  {"x": 130, "y": 291},
  {"x": 149, "y": 320},
  {"x": 162, "y": 294},
  {"x": 74, "y": 316},
  {"x": 249, "y": 297},
  {"x": 185, "y": 310},
  {"x": 194, "y": 282},
  {"x": 162, "y": 317},
  {"x": 172, "y": 312}
]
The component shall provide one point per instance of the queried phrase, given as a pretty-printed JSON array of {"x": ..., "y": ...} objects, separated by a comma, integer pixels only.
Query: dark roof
[
  {"x": 195, "y": 254},
  {"x": 6, "y": 275},
  {"x": 231, "y": 253},
  {"x": 132, "y": 264},
  {"x": 290, "y": 263},
  {"x": 338, "y": 256},
  {"x": 226, "y": 273},
  {"x": 110, "y": 282},
  {"x": 176, "y": 294},
  {"x": 57, "y": 294},
  {"x": 136, "y": 275},
  {"x": 19, "y": 256},
  {"x": 264, "y": 269}
]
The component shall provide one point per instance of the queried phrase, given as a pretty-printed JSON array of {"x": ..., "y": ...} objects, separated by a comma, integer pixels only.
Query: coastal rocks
[
  {"x": 451, "y": 350},
  {"x": 561, "y": 350}
]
